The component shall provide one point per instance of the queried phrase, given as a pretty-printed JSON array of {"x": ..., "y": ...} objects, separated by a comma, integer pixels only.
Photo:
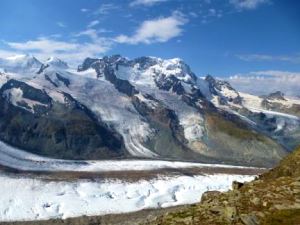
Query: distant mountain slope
[{"x": 146, "y": 107}]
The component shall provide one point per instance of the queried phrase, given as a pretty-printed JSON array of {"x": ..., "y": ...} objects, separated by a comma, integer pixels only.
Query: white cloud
[
  {"x": 7, "y": 53},
  {"x": 247, "y": 4},
  {"x": 72, "y": 52},
  {"x": 271, "y": 58},
  {"x": 84, "y": 10},
  {"x": 61, "y": 24},
  {"x": 91, "y": 33},
  {"x": 214, "y": 13},
  {"x": 193, "y": 14},
  {"x": 210, "y": 15},
  {"x": 156, "y": 30},
  {"x": 105, "y": 9},
  {"x": 145, "y": 2},
  {"x": 93, "y": 23},
  {"x": 103, "y": 30},
  {"x": 94, "y": 45},
  {"x": 43, "y": 44},
  {"x": 265, "y": 82}
]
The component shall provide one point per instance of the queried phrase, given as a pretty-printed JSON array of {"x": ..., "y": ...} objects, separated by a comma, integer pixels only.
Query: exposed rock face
[
  {"x": 42, "y": 68},
  {"x": 20, "y": 94},
  {"x": 276, "y": 95},
  {"x": 272, "y": 199},
  {"x": 36, "y": 123},
  {"x": 103, "y": 68},
  {"x": 277, "y": 102},
  {"x": 223, "y": 90},
  {"x": 168, "y": 140},
  {"x": 123, "y": 86},
  {"x": 86, "y": 64},
  {"x": 62, "y": 79}
]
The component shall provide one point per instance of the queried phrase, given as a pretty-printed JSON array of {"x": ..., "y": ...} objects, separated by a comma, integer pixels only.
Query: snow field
[{"x": 33, "y": 199}]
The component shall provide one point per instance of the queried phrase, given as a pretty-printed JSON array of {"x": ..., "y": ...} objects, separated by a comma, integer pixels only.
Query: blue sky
[{"x": 220, "y": 37}]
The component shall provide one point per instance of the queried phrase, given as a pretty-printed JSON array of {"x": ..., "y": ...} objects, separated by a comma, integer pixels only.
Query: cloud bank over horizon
[{"x": 266, "y": 82}]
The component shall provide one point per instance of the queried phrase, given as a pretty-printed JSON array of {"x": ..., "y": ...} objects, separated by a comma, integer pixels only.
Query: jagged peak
[
  {"x": 224, "y": 90},
  {"x": 150, "y": 60},
  {"x": 57, "y": 62},
  {"x": 209, "y": 78},
  {"x": 277, "y": 95},
  {"x": 20, "y": 63},
  {"x": 217, "y": 83},
  {"x": 53, "y": 59},
  {"x": 175, "y": 66}
]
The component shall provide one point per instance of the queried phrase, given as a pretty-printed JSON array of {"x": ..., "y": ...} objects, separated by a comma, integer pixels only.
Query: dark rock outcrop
[
  {"x": 64, "y": 80},
  {"x": 68, "y": 131},
  {"x": 123, "y": 86},
  {"x": 216, "y": 88},
  {"x": 276, "y": 95}
]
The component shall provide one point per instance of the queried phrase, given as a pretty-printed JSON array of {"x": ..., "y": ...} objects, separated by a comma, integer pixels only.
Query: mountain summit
[
  {"x": 56, "y": 62},
  {"x": 20, "y": 64}
]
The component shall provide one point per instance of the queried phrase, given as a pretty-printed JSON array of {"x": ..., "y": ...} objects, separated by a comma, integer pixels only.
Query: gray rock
[{"x": 248, "y": 219}]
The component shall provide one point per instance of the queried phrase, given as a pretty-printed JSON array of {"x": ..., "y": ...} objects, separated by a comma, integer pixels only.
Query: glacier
[{"x": 34, "y": 199}]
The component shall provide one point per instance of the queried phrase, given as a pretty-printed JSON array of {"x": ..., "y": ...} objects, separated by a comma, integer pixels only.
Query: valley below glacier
[{"x": 38, "y": 188}]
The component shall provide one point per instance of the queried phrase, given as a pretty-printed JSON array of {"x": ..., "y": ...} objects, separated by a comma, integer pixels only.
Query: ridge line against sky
[{"x": 217, "y": 37}]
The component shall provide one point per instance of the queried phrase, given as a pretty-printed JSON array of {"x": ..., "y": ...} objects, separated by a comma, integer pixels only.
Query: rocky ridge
[{"x": 272, "y": 198}]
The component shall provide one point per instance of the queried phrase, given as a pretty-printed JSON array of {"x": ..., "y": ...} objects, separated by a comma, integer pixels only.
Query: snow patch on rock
[{"x": 15, "y": 96}]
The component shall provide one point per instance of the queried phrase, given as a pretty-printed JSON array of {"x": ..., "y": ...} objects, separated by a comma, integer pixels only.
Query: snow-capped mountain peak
[
  {"x": 278, "y": 95},
  {"x": 56, "y": 62},
  {"x": 222, "y": 92},
  {"x": 166, "y": 74},
  {"x": 20, "y": 64}
]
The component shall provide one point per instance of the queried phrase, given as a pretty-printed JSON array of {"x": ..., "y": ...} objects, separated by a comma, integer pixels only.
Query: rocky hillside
[
  {"x": 272, "y": 199},
  {"x": 114, "y": 107}
]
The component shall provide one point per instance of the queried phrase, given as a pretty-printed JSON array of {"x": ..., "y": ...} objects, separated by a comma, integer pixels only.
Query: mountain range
[{"x": 119, "y": 108}]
